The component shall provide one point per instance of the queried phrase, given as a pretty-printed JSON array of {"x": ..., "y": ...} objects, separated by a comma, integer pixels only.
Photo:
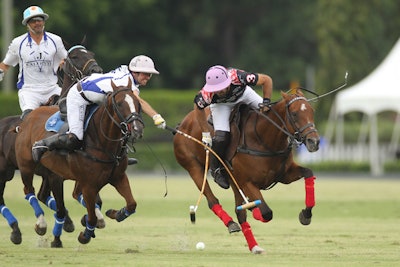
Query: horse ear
[
  {"x": 130, "y": 83},
  {"x": 283, "y": 94},
  {"x": 66, "y": 44},
  {"x": 113, "y": 85},
  {"x": 83, "y": 42}
]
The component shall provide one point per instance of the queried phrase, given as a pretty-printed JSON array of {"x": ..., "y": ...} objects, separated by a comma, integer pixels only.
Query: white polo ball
[{"x": 200, "y": 246}]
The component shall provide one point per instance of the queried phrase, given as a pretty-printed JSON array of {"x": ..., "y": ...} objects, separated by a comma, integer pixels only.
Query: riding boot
[
  {"x": 219, "y": 144},
  {"x": 58, "y": 141},
  {"x": 26, "y": 112}
]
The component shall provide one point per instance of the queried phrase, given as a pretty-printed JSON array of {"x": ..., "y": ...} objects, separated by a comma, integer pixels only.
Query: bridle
[
  {"x": 87, "y": 68},
  {"x": 297, "y": 138},
  {"x": 124, "y": 123},
  {"x": 300, "y": 133}
]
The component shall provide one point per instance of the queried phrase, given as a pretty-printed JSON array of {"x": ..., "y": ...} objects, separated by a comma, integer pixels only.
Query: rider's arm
[
  {"x": 4, "y": 67},
  {"x": 158, "y": 120},
  {"x": 145, "y": 106},
  {"x": 266, "y": 83}
]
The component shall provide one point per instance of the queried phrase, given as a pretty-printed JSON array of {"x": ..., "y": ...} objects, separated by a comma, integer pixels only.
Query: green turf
[{"x": 356, "y": 223}]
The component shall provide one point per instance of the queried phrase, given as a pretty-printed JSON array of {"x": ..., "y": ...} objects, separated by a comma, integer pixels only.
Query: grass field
[{"x": 356, "y": 222}]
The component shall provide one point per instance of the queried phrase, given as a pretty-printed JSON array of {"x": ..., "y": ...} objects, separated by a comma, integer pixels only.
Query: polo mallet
[
  {"x": 193, "y": 209},
  {"x": 247, "y": 204}
]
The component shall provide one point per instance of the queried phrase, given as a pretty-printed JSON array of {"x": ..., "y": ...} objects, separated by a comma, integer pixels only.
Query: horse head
[
  {"x": 124, "y": 109},
  {"x": 300, "y": 120},
  {"x": 79, "y": 63}
]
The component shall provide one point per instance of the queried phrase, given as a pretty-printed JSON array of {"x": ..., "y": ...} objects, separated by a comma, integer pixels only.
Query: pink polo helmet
[{"x": 217, "y": 79}]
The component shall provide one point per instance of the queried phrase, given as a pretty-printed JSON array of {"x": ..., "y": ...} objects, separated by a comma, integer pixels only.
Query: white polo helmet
[
  {"x": 142, "y": 64},
  {"x": 33, "y": 11}
]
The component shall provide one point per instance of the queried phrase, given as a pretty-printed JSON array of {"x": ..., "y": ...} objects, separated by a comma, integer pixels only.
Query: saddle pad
[{"x": 54, "y": 123}]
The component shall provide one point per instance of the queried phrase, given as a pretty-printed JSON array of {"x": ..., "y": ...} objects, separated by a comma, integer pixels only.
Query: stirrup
[
  {"x": 38, "y": 149},
  {"x": 219, "y": 175}
]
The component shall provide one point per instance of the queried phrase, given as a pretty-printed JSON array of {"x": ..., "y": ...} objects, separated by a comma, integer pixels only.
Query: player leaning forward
[{"x": 93, "y": 89}]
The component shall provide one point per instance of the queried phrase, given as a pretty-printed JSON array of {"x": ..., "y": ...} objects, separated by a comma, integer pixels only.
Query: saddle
[{"x": 238, "y": 116}]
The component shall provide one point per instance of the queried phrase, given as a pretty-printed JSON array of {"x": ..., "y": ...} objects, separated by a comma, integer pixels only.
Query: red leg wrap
[
  {"x": 257, "y": 215},
  {"x": 248, "y": 234},
  {"x": 310, "y": 198},
  {"x": 217, "y": 209}
]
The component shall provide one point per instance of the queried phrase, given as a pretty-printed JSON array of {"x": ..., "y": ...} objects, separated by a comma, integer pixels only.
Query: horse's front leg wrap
[
  {"x": 58, "y": 225},
  {"x": 89, "y": 231},
  {"x": 310, "y": 196},
  {"x": 219, "y": 211},
  {"x": 122, "y": 214},
  {"x": 35, "y": 204},
  {"x": 51, "y": 203},
  {"x": 83, "y": 203},
  {"x": 7, "y": 215},
  {"x": 248, "y": 234}
]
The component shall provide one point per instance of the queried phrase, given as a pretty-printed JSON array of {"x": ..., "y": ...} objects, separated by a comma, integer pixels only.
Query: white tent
[{"x": 379, "y": 91}]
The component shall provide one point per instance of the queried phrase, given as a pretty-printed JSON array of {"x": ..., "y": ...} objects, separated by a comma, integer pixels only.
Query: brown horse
[
  {"x": 103, "y": 160},
  {"x": 79, "y": 62},
  {"x": 260, "y": 155}
]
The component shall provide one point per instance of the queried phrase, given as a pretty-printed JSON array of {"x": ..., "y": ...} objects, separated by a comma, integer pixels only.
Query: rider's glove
[
  {"x": 265, "y": 105},
  {"x": 159, "y": 121},
  {"x": 1, "y": 74},
  {"x": 206, "y": 138}
]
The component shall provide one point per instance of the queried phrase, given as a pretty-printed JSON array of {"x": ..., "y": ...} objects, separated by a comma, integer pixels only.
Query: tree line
[{"x": 310, "y": 43}]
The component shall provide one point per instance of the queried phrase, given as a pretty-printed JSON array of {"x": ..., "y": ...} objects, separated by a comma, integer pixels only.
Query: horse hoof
[
  {"x": 101, "y": 223},
  {"x": 82, "y": 239},
  {"x": 257, "y": 250},
  {"x": 233, "y": 227},
  {"x": 56, "y": 243},
  {"x": 16, "y": 237},
  {"x": 305, "y": 219},
  {"x": 40, "y": 230},
  {"x": 111, "y": 213},
  {"x": 68, "y": 226}
]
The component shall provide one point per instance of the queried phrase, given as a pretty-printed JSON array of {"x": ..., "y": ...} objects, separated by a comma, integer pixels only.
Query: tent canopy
[{"x": 379, "y": 91}]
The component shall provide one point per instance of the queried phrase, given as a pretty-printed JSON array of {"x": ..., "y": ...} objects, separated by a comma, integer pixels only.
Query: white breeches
[
  {"x": 76, "y": 109},
  {"x": 32, "y": 99},
  {"x": 222, "y": 111}
]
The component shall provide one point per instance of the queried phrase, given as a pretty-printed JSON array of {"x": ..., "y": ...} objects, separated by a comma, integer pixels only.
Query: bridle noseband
[{"x": 124, "y": 123}]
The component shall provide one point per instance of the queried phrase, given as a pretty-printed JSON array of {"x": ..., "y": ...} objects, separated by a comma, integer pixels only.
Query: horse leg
[
  {"x": 124, "y": 189},
  {"x": 246, "y": 228},
  {"x": 89, "y": 193},
  {"x": 197, "y": 174},
  {"x": 77, "y": 194},
  {"x": 15, "y": 237},
  {"x": 306, "y": 214},
  {"x": 294, "y": 173},
  {"x": 45, "y": 197},
  {"x": 29, "y": 190}
]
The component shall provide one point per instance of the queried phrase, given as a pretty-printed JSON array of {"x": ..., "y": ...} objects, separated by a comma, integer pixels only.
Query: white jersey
[
  {"x": 38, "y": 63},
  {"x": 101, "y": 83}
]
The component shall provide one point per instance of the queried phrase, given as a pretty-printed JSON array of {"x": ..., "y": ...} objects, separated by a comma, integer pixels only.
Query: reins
[
  {"x": 296, "y": 138},
  {"x": 123, "y": 125}
]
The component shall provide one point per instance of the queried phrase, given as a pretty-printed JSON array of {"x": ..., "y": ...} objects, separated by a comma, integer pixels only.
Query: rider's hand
[
  {"x": 159, "y": 121},
  {"x": 206, "y": 138},
  {"x": 1, "y": 74},
  {"x": 265, "y": 105}
]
